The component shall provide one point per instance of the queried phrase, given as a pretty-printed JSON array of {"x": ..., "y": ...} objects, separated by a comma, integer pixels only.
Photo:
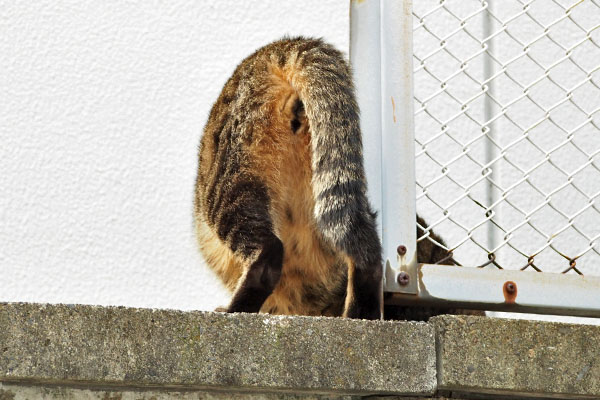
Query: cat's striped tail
[{"x": 323, "y": 79}]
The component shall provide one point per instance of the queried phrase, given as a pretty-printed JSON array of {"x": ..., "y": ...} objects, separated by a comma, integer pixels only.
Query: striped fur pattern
[{"x": 281, "y": 209}]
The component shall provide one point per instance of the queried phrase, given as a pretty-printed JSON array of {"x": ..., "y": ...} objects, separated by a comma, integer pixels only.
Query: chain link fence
[{"x": 507, "y": 129}]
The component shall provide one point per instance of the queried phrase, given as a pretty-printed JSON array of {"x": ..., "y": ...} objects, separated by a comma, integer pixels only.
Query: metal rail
[{"x": 495, "y": 289}]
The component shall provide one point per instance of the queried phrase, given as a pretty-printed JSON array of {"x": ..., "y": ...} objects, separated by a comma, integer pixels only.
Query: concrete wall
[{"x": 74, "y": 352}]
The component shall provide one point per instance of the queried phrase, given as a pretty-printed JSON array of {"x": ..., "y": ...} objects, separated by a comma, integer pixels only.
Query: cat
[{"x": 280, "y": 209}]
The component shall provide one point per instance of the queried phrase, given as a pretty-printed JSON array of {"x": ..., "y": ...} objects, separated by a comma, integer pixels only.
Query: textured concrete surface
[
  {"x": 125, "y": 347},
  {"x": 23, "y": 392},
  {"x": 68, "y": 352},
  {"x": 519, "y": 357}
]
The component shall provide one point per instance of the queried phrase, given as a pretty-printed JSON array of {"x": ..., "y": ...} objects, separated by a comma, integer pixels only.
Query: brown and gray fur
[{"x": 281, "y": 209}]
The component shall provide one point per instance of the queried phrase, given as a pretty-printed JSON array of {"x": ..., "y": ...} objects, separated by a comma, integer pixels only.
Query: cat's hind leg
[
  {"x": 244, "y": 224},
  {"x": 260, "y": 277}
]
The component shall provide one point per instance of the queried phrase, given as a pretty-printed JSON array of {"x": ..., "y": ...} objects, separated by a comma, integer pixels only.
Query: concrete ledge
[
  {"x": 138, "y": 348},
  {"x": 67, "y": 352},
  {"x": 31, "y": 392},
  {"x": 517, "y": 357}
]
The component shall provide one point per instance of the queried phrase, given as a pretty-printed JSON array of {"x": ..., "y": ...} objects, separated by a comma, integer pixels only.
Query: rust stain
[
  {"x": 360, "y": 1},
  {"x": 509, "y": 289},
  {"x": 393, "y": 109}
]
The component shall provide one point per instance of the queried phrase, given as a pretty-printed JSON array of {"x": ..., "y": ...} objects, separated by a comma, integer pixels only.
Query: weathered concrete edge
[
  {"x": 137, "y": 348},
  {"x": 20, "y": 391},
  {"x": 496, "y": 356},
  {"x": 152, "y": 389},
  {"x": 126, "y": 348}
]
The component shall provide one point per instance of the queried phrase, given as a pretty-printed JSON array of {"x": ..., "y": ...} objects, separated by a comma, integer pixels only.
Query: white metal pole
[
  {"x": 381, "y": 56},
  {"x": 365, "y": 57},
  {"x": 398, "y": 146}
]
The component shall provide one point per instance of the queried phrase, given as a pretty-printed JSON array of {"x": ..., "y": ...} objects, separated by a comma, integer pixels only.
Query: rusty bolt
[
  {"x": 511, "y": 287},
  {"x": 403, "y": 278},
  {"x": 401, "y": 250}
]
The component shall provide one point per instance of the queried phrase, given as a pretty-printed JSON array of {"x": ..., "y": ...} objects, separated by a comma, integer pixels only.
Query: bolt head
[
  {"x": 403, "y": 278},
  {"x": 401, "y": 250},
  {"x": 511, "y": 287}
]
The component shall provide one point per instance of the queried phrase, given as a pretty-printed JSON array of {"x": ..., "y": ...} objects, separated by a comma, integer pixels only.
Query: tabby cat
[{"x": 281, "y": 210}]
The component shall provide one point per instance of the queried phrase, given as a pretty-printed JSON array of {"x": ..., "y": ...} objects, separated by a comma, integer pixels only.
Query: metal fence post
[
  {"x": 381, "y": 55},
  {"x": 365, "y": 57}
]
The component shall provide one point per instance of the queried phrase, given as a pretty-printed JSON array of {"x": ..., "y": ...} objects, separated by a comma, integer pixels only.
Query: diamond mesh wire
[{"x": 507, "y": 128}]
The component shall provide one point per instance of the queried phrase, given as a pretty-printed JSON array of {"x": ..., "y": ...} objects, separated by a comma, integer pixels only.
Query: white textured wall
[{"x": 101, "y": 109}]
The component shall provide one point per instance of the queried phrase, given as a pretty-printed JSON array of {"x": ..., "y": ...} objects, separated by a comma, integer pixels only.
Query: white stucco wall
[{"x": 101, "y": 109}]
